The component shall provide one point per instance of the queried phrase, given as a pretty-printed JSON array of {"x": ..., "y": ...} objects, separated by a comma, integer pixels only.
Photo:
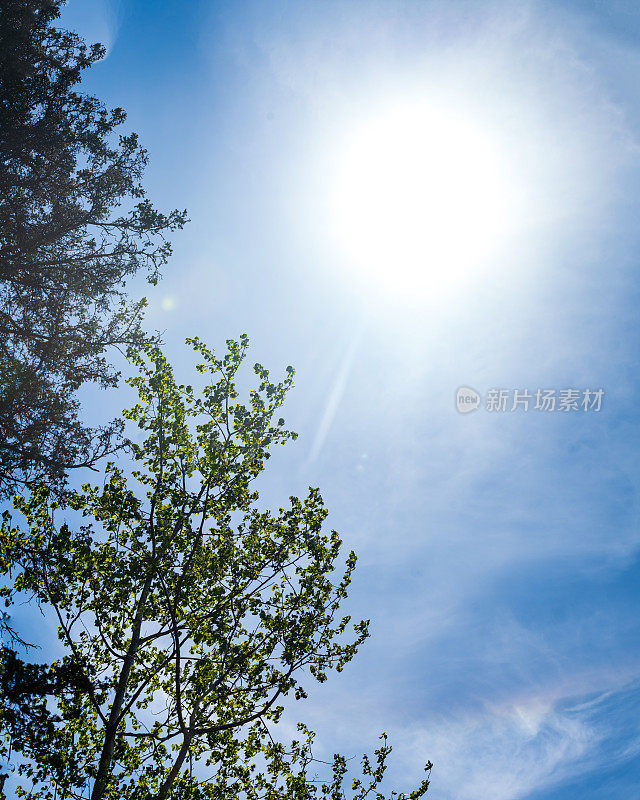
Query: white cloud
[{"x": 503, "y": 752}]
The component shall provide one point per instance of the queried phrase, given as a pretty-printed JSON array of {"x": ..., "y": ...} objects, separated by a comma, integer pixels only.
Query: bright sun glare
[{"x": 422, "y": 199}]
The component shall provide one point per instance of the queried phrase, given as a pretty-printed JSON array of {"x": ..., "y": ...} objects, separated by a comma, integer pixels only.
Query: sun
[{"x": 421, "y": 198}]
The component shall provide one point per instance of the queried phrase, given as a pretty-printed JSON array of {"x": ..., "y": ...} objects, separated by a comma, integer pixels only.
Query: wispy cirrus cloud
[{"x": 529, "y": 744}]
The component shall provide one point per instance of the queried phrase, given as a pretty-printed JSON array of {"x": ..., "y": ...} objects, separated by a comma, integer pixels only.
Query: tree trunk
[
  {"x": 111, "y": 728},
  {"x": 168, "y": 782}
]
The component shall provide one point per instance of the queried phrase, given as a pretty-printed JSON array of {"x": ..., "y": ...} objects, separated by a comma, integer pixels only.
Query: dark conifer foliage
[{"x": 75, "y": 223}]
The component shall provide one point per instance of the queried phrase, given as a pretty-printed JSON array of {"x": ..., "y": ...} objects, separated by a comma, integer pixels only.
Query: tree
[
  {"x": 26, "y": 717},
  {"x": 74, "y": 225},
  {"x": 187, "y": 613}
]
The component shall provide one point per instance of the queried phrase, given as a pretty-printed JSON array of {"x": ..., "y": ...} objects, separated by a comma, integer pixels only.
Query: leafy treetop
[{"x": 187, "y": 613}]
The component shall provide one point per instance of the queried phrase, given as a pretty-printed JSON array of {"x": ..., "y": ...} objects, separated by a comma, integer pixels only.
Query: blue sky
[{"x": 498, "y": 552}]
